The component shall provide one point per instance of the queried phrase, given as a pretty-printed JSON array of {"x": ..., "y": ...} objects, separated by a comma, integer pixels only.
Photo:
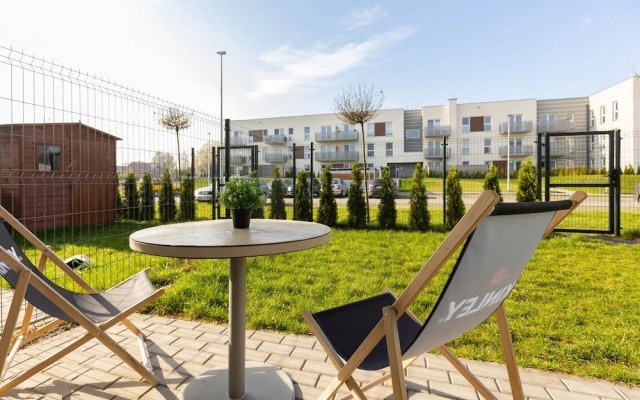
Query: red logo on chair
[{"x": 496, "y": 279}]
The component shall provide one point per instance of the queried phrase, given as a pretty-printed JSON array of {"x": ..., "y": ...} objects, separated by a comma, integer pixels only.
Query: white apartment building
[{"x": 476, "y": 134}]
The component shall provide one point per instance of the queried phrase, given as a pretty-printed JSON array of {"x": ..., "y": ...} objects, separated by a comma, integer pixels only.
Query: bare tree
[
  {"x": 357, "y": 106},
  {"x": 177, "y": 120}
]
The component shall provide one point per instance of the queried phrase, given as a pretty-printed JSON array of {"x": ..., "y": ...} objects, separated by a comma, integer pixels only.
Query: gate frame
[{"x": 613, "y": 184}]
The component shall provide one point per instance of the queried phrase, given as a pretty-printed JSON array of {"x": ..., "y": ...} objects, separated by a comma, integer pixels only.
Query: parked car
[
  {"x": 636, "y": 193},
  {"x": 266, "y": 189},
  {"x": 376, "y": 184},
  {"x": 316, "y": 188},
  {"x": 340, "y": 188},
  {"x": 156, "y": 185},
  {"x": 285, "y": 186},
  {"x": 204, "y": 194}
]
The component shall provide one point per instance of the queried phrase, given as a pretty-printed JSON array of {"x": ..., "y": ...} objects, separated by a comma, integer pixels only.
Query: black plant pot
[{"x": 241, "y": 218}]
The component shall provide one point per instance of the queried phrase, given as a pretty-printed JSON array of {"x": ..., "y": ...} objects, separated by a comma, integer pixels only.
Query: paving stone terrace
[{"x": 181, "y": 350}]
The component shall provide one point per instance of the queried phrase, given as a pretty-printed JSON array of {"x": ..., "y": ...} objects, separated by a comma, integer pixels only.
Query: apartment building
[{"x": 502, "y": 133}]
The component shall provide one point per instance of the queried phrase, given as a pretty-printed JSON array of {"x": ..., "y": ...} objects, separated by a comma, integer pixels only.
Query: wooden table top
[{"x": 218, "y": 239}]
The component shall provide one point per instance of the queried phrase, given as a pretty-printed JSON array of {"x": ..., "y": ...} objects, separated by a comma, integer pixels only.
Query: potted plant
[{"x": 241, "y": 195}]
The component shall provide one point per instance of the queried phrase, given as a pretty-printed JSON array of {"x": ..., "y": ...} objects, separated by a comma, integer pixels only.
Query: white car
[
  {"x": 340, "y": 188},
  {"x": 204, "y": 194}
]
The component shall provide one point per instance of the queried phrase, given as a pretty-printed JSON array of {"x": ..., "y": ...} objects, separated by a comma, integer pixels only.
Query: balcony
[
  {"x": 237, "y": 141},
  {"x": 276, "y": 157},
  {"x": 348, "y": 136},
  {"x": 275, "y": 139},
  {"x": 519, "y": 127},
  {"x": 557, "y": 126},
  {"x": 437, "y": 131},
  {"x": 558, "y": 150},
  {"x": 337, "y": 155},
  {"x": 237, "y": 159},
  {"x": 517, "y": 151},
  {"x": 434, "y": 153}
]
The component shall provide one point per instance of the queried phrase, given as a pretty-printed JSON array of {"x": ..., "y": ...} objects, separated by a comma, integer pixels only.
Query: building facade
[{"x": 501, "y": 133}]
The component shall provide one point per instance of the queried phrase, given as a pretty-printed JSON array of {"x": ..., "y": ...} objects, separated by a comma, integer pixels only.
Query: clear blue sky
[{"x": 293, "y": 57}]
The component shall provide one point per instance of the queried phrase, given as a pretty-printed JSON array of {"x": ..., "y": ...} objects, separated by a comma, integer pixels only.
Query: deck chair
[
  {"x": 499, "y": 240},
  {"x": 96, "y": 312}
]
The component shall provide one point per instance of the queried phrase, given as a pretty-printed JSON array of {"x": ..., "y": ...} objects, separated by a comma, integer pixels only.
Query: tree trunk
[
  {"x": 178, "y": 141},
  {"x": 364, "y": 161}
]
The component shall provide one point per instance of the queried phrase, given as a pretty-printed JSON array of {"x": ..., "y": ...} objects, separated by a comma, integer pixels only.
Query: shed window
[{"x": 48, "y": 158}]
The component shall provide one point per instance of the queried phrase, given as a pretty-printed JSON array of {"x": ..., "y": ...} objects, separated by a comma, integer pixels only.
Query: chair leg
[
  {"x": 509, "y": 353},
  {"x": 395, "y": 354},
  {"x": 464, "y": 371},
  {"x": 12, "y": 319}
]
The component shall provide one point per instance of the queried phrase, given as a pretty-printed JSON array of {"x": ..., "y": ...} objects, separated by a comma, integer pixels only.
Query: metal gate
[
  {"x": 588, "y": 161},
  {"x": 237, "y": 160}
]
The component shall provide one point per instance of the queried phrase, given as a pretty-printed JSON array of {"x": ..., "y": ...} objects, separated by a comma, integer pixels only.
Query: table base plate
[{"x": 262, "y": 382}]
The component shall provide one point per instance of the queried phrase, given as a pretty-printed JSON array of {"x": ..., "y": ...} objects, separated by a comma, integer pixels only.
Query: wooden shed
[{"x": 58, "y": 174}]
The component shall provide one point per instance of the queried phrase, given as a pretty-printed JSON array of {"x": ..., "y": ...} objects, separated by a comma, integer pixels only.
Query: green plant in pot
[{"x": 241, "y": 195}]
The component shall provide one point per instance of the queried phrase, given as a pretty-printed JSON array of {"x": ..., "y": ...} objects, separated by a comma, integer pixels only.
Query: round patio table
[{"x": 218, "y": 239}]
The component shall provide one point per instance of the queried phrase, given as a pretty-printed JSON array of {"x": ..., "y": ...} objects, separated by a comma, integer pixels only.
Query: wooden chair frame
[
  {"x": 387, "y": 326},
  {"x": 11, "y": 340}
]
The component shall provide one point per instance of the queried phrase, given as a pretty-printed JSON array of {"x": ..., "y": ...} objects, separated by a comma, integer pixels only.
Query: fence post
[
  {"x": 539, "y": 162},
  {"x": 212, "y": 173},
  {"x": 227, "y": 157},
  {"x": 617, "y": 140},
  {"x": 293, "y": 190},
  {"x": 547, "y": 170},
  {"x": 311, "y": 180},
  {"x": 444, "y": 181}
]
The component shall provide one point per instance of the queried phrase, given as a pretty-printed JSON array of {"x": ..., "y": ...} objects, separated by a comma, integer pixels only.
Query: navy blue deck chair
[
  {"x": 498, "y": 241},
  {"x": 94, "y": 311}
]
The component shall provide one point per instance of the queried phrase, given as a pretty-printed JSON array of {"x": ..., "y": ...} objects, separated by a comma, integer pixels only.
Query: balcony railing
[
  {"x": 337, "y": 155},
  {"x": 557, "y": 150},
  {"x": 237, "y": 141},
  {"x": 434, "y": 153},
  {"x": 235, "y": 159},
  {"x": 437, "y": 131},
  {"x": 518, "y": 127},
  {"x": 275, "y": 139},
  {"x": 276, "y": 157},
  {"x": 517, "y": 151},
  {"x": 348, "y": 136},
  {"x": 557, "y": 126}
]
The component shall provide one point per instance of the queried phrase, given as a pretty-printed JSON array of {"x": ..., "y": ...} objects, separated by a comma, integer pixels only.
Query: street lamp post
[
  {"x": 508, "y": 150},
  {"x": 222, "y": 53}
]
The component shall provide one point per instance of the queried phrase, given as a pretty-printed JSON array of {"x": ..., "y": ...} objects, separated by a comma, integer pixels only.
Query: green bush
[
  {"x": 455, "y": 205},
  {"x": 603, "y": 170},
  {"x": 147, "y": 202},
  {"x": 167, "y": 201},
  {"x": 357, "y": 213},
  {"x": 257, "y": 212},
  {"x": 419, "y": 217},
  {"x": 187, "y": 198},
  {"x": 132, "y": 210},
  {"x": 387, "y": 212},
  {"x": 278, "y": 210},
  {"x": 527, "y": 184},
  {"x": 328, "y": 209},
  {"x": 302, "y": 206},
  {"x": 491, "y": 182},
  {"x": 119, "y": 206}
]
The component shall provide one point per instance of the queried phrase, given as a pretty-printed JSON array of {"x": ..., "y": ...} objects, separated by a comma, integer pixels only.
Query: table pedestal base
[{"x": 262, "y": 382}]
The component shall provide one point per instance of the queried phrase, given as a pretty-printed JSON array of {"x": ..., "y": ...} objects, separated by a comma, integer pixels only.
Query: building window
[
  {"x": 48, "y": 158},
  {"x": 413, "y": 133},
  {"x": 388, "y": 129},
  {"x": 602, "y": 115},
  {"x": 614, "y": 108},
  {"x": 307, "y": 132},
  {"x": 307, "y": 168},
  {"x": 465, "y": 125},
  {"x": 371, "y": 128},
  {"x": 278, "y": 131},
  {"x": 487, "y": 146},
  {"x": 290, "y": 134},
  {"x": 547, "y": 122},
  {"x": 432, "y": 127},
  {"x": 307, "y": 152},
  {"x": 370, "y": 150},
  {"x": 389, "y": 148},
  {"x": 325, "y": 129},
  {"x": 487, "y": 124},
  {"x": 465, "y": 146},
  {"x": 593, "y": 118}
]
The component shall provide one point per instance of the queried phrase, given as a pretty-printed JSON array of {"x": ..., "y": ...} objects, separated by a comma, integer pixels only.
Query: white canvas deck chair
[
  {"x": 96, "y": 312},
  {"x": 499, "y": 240}
]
